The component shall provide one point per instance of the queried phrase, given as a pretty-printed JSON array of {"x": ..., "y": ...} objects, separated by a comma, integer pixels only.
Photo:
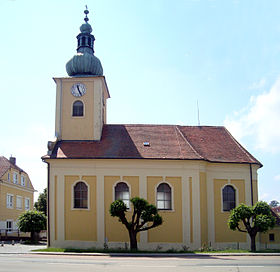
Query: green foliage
[
  {"x": 117, "y": 208},
  {"x": 41, "y": 204},
  {"x": 32, "y": 221},
  {"x": 257, "y": 218},
  {"x": 252, "y": 220},
  {"x": 274, "y": 203}
]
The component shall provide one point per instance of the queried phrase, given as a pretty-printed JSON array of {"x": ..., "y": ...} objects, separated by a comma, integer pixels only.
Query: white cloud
[
  {"x": 277, "y": 177},
  {"x": 260, "y": 120}
]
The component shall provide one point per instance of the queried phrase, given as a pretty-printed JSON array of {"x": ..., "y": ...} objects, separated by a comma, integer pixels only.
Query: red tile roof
[
  {"x": 5, "y": 165},
  {"x": 208, "y": 143}
]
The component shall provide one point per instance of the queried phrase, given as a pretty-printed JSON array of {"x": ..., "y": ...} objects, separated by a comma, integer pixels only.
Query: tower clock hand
[{"x": 79, "y": 90}]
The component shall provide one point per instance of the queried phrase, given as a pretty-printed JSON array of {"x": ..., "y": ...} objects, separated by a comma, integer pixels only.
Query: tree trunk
[
  {"x": 32, "y": 236},
  {"x": 253, "y": 242},
  {"x": 133, "y": 240}
]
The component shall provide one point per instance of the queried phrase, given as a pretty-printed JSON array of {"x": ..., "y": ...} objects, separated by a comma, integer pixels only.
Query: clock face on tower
[{"x": 78, "y": 89}]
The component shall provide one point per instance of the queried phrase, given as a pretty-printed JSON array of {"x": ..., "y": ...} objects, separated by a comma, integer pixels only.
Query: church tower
[{"x": 81, "y": 97}]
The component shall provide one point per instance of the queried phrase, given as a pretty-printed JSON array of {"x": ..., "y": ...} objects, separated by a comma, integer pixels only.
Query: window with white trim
[
  {"x": 229, "y": 198},
  {"x": 15, "y": 178},
  {"x": 19, "y": 202},
  {"x": 10, "y": 199},
  {"x": 78, "y": 108},
  {"x": 122, "y": 193},
  {"x": 80, "y": 195},
  {"x": 9, "y": 225},
  {"x": 27, "y": 203},
  {"x": 22, "y": 180},
  {"x": 164, "y": 197}
]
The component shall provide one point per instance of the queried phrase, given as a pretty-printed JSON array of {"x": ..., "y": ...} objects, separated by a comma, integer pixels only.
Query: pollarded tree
[
  {"x": 143, "y": 213},
  {"x": 254, "y": 219},
  {"x": 274, "y": 203},
  {"x": 33, "y": 222}
]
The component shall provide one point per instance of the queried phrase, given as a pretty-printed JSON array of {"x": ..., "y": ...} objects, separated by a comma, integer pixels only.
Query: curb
[{"x": 159, "y": 255}]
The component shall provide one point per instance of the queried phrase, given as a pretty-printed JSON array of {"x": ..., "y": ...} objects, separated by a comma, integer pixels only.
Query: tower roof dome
[
  {"x": 86, "y": 28},
  {"x": 85, "y": 63}
]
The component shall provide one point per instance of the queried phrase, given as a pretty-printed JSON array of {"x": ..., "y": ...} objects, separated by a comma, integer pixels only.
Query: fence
[{"x": 13, "y": 234}]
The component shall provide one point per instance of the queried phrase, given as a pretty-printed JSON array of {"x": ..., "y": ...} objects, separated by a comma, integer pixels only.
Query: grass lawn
[{"x": 94, "y": 250}]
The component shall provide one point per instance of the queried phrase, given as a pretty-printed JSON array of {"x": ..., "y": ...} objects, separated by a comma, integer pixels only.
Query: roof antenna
[{"x": 198, "y": 120}]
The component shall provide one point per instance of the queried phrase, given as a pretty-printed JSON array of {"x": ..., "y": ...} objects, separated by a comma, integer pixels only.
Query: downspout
[
  {"x": 48, "y": 206},
  {"x": 251, "y": 180}
]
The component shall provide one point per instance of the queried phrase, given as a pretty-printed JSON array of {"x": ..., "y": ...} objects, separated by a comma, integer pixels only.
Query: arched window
[
  {"x": 78, "y": 108},
  {"x": 122, "y": 193},
  {"x": 81, "y": 195},
  {"x": 229, "y": 201},
  {"x": 83, "y": 41},
  {"x": 164, "y": 197}
]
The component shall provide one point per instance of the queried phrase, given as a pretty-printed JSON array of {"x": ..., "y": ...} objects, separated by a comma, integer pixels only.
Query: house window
[
  {"x": 8, "y": 176},
  {"x": 19, "y": 202},
  {"x": 27, "y": 204},
  {"x": 10, "y": 199},
  {"x": 15, "y": 178},
  {"x": 164, "y": 197},
  {"x": 22, "y": 180},
  {"x": 9, "y": 225},
  {"x": 122, "y": 193},
  {"x": 229, "y": 201},
  {"x": 80, "y": 195},
  {"x": 271, "y": 237},
  {"x": 78, "y": 108}
]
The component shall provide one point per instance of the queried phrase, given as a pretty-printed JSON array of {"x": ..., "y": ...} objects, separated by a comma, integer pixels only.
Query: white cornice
[{"x": 19, "y": 187}]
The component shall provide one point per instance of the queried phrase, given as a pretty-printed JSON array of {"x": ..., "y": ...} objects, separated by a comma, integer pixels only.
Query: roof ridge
[
  {"x": 186, "y": 140},
  {"x": 248, "y": 154}
]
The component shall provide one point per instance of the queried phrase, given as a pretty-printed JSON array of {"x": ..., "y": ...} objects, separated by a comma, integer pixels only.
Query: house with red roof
[
  {"x": 194, "y": 175},
  {"x": 16, "y": 194}
]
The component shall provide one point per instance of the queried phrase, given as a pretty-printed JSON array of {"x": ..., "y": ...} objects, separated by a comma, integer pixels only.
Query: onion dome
[{"x": 84, "y": 63}]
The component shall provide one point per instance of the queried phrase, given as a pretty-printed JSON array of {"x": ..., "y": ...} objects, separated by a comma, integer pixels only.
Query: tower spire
[
  {"x": 85, "y": 63},
  {"x": 86, "y": 12}
]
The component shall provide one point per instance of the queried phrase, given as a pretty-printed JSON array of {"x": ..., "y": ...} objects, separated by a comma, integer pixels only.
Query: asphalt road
[{"x": 43, "y": 263}]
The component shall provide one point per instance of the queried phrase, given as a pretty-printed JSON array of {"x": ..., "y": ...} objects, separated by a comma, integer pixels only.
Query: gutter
[{"x": 48, "y": 206}]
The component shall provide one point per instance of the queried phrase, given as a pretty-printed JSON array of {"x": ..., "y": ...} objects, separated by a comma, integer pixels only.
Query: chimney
[{"x": 13, "y": 160}]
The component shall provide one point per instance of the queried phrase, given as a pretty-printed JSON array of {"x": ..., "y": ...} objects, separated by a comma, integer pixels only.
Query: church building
[{"x": 194, "y": 175}]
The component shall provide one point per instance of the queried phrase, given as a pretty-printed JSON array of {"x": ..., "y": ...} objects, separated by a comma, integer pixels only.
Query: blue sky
[{"x": 159, "y": 58}]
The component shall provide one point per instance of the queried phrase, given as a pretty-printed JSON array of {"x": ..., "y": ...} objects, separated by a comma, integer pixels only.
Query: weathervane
[{"x": 86, "y": 12}]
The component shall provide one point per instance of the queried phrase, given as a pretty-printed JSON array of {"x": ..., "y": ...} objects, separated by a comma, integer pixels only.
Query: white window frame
[
  {"x": 10, "y": 201},
  {"x": 129, "y": 191},
  {"x": 19, "y": 198},
  {"x": 236, "y": 196},
  {"x": 9, "y": 228},
  {"x": 15, "y": 178},
  {"x": 27, "y": 200},
  {"x": 172, "y": 196},
  {"x": 73, "y": 195},
  {"x": 22, "y": 180},
  {"x": 84, "y": 113}
]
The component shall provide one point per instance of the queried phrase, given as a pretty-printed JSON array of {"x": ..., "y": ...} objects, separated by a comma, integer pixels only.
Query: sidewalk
[{"x": 18, "y": 248}]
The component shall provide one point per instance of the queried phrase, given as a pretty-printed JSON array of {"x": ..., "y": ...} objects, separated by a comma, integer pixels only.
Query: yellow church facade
[{"x": 194, "y": 175}]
